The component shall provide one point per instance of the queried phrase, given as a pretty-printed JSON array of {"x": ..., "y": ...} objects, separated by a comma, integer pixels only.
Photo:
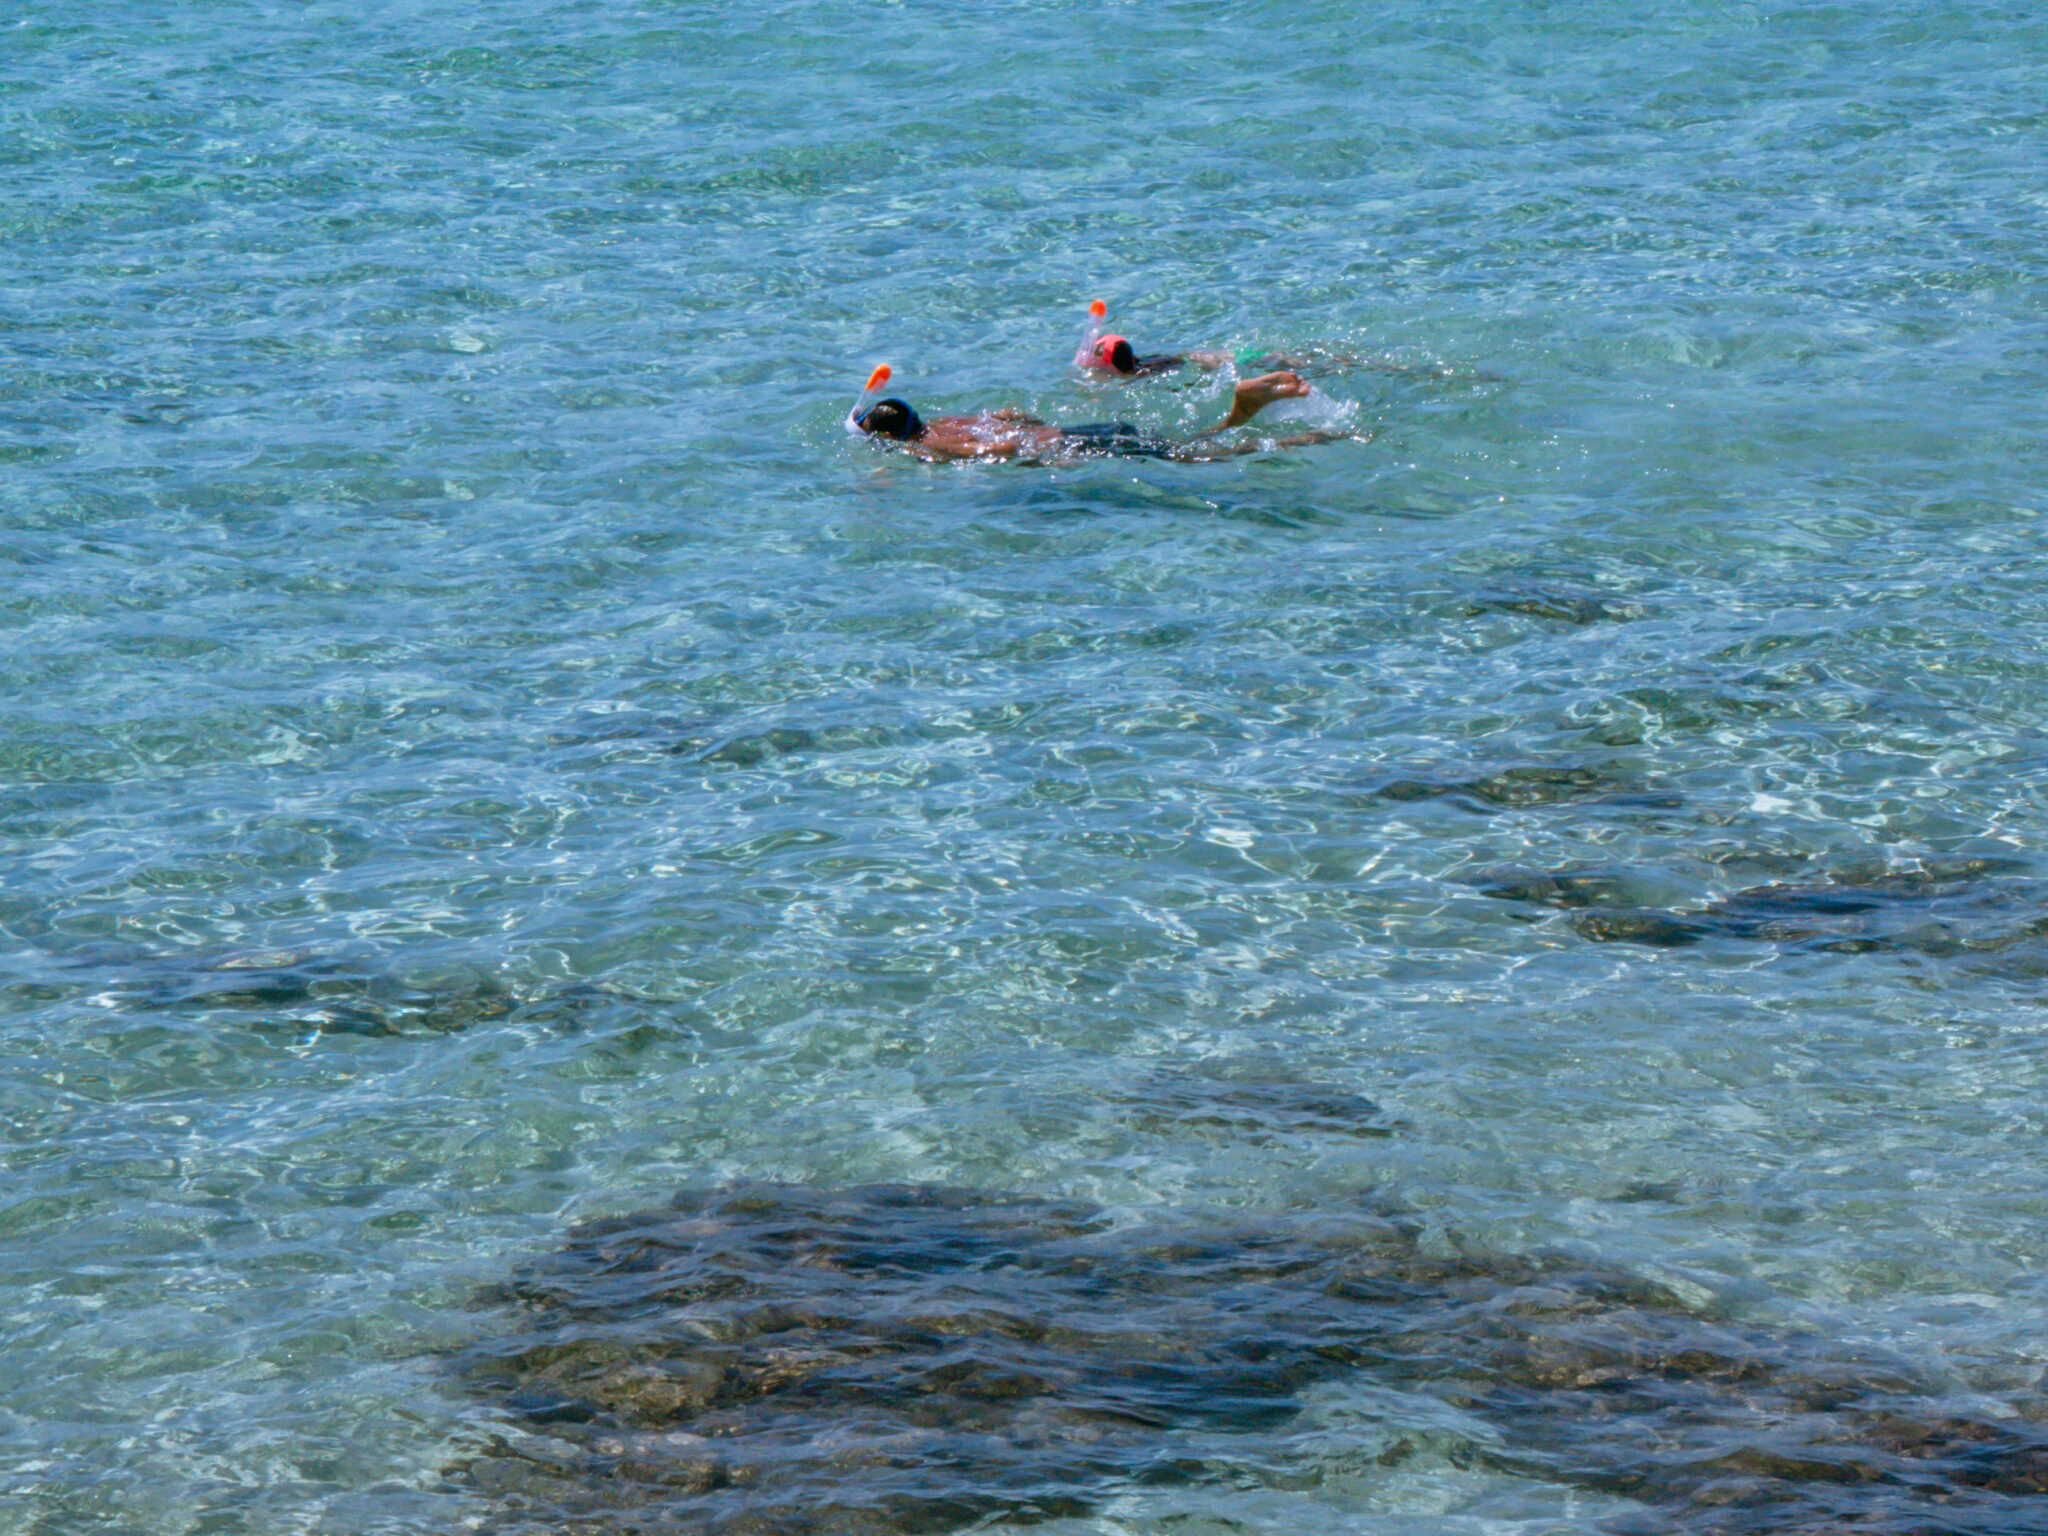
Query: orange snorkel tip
[
  {"x": 877, "y": 379},
  {"x": 1098, "y": 309}
]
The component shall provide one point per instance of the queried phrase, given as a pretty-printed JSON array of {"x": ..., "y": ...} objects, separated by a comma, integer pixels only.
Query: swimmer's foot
[{"x": 1254, "y": 395}]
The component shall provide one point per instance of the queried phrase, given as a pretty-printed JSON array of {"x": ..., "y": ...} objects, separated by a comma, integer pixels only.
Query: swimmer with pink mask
[{"x": 1106, "y": 352}]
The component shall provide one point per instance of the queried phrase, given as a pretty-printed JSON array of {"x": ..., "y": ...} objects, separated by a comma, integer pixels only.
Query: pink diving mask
[{"x": 1114, "y": 353}]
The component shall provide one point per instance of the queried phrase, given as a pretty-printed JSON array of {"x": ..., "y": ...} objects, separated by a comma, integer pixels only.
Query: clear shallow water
[{"x": 480, "y": 747}]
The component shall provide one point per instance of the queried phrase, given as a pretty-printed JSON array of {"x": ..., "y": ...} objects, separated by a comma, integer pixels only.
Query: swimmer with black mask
[
  {"x": 1010, "y": 433},
  {"x": 893, "y": 419}
]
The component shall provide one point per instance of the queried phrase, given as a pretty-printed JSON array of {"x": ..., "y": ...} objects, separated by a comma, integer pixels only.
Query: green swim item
[{"x": 1248, "y": 360}]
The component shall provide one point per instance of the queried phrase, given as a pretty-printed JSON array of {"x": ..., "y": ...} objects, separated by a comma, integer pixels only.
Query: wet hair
[{"x": 891, "y": 418}]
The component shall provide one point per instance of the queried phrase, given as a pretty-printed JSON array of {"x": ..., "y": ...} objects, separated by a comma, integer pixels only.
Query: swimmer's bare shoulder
[{"x": 1006, "y": 433}]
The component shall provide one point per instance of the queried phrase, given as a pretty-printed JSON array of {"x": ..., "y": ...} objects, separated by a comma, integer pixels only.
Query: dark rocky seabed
[{"x": 902, "y": 1358}]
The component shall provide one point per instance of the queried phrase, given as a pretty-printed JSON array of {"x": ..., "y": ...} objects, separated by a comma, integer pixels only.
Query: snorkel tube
[
  {"x": 1084, "y": 355},
  {"x": 875, "y": 381}
]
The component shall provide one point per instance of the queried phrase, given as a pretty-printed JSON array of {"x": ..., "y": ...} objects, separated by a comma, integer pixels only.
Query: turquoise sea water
[{"x": 481, "y": 748}]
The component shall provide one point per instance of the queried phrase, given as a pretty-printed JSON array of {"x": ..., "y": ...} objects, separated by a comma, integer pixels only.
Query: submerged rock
[
  {"x": 1534, "y": 786},
  {"x": 1962, "y": 908},
  {"x": 1562, "y": 605},
  {"x": 1253, "y": 1110},
  {"x": 786, "y": 1359},
  {"x": 305, "y": 993}
]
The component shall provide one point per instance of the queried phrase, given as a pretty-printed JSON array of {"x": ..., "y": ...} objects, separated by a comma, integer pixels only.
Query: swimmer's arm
[
  {"x": 1195, "y": 451},
  {"x": 1154, "y": 364},
  {"x": 1314, "y": 357},
  {"x": 953, "y": 453},
  {"x": 1211, "y": 361}
]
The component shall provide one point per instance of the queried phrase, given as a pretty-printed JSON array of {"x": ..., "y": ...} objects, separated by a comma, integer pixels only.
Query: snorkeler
[
  {"x": 1114, "y": 354},
  {"x": 1009, "y": 433},
  {"x": 1106, "y": 352}
]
